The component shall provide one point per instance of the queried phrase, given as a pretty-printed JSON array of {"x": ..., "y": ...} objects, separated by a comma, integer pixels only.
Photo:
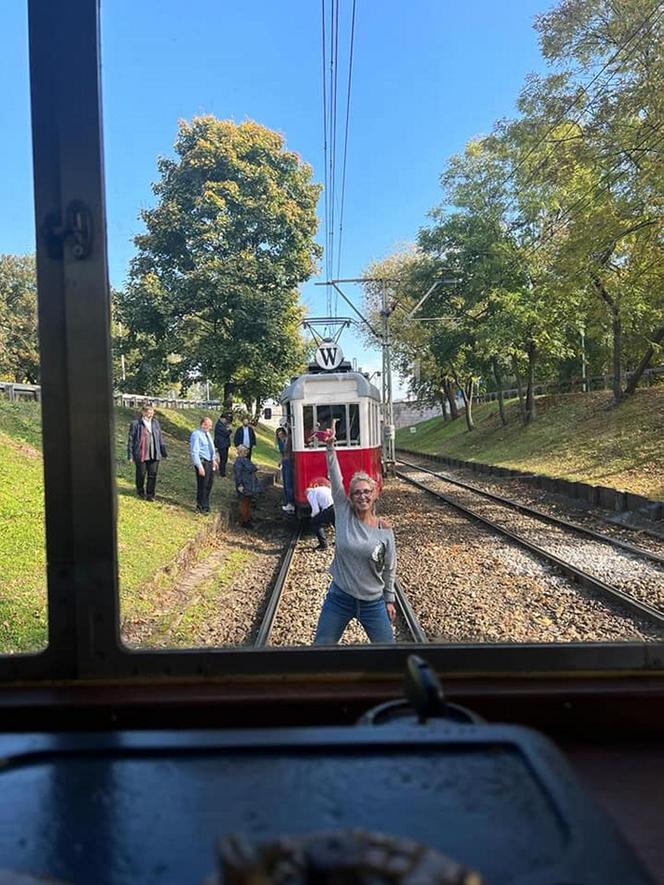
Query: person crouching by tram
[
  {"x": 319, "y": 496},
  {"x": 285, "y": 446},
  {"x": 364, "y": 564},
  {"x": 246, "y": 484}
]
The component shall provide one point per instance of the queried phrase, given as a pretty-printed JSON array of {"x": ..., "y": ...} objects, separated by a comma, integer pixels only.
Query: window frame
[{"x": 81, "y": 518}]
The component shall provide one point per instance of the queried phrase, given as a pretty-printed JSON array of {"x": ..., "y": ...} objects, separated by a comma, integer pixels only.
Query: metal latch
[{"x": 76, "y": 232}]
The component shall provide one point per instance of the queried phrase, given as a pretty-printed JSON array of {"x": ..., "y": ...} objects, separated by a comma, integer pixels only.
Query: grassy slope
[
  {"x": 577, "y": 437},
  {"x": 146, "y": 546}
]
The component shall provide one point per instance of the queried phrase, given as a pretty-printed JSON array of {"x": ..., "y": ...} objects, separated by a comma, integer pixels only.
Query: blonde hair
[
  {"x": 361, "y": 476},
  {"x": 242, "y": 451}
]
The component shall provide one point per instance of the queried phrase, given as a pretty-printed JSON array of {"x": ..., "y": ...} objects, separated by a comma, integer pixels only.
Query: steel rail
[
  {"x": 540, "y": 514},
  {"x": 408, "y": 613},
  {"x": 583, "y": 578},
  {"x": 265, "y": 631}
]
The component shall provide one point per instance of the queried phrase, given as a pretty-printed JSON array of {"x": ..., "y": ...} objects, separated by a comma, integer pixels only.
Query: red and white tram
[{"x": 311, "y": 403}]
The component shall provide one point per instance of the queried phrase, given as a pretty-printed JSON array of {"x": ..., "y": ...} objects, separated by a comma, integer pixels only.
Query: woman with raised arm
[{"x": 364, "y": 562}]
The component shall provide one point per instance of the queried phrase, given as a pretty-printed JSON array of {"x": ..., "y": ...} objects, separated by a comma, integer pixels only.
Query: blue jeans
[
  {"x": 340, "y": 608},
  {"x": 287, "y": 476}
]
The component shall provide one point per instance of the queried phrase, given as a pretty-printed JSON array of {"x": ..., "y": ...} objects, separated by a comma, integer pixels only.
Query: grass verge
[
  {"x": 151, "y": 536},
  {"x": 578, "y": 437}
]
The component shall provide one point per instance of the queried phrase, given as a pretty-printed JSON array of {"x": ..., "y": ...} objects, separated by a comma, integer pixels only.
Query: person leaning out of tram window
[
  {"x": 146, "y": 448},
  {"x": 285, "y": 446},
  {"x": 246, "y": 484},
  {"x": 319, "y": 496},
  {"x": 364, "y": 562}
]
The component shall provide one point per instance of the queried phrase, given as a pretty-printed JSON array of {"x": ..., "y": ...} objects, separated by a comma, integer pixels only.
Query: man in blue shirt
[{"x": 205, "y": 463}]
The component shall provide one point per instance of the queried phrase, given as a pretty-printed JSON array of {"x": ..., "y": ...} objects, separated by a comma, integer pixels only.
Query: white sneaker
[{"x": 288, "y": 508}]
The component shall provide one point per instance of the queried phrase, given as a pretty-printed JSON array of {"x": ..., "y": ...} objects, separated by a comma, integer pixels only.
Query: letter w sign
[{"x": 329, "y": 356}]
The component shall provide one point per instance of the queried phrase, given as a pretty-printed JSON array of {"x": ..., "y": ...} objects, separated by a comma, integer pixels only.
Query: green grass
[
  {"x": 577, "y": 437},
  {"x": 203, "y": 609},
  {"x": 150, "y": 536}
]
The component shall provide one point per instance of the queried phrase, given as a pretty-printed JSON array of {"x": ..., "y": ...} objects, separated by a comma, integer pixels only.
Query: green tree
[
  {"x": 19, "y": 347},
  {"x": 213, "y": 289},
  {"x": 593, "y": 157}
]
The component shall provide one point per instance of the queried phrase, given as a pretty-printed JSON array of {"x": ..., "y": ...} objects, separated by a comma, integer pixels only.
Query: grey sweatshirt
[{"x": 365, "y": 558}]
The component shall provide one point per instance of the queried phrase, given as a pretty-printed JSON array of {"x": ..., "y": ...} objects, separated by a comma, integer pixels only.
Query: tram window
[
  {"x": 23, "y": 598},
  {"x": 326, "y": 414},
  {"x": 81, "y": 515},
  {"x": 308, "y": 425},
  {"x": 354, "y": 424}
]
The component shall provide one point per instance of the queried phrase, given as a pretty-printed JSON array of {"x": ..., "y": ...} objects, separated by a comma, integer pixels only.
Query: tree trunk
[
  {"x": 519, "y": 388},
  {"x": 449, "y": 393},
  {"x": 499, "y": 383},
  {"x": 616, "y": 328},
  {"x": 228, "y": 396},
  {"x": 442, "y": 399},
  {"x": 645, "y": 362},
  {"x": 531, "y": 350},
  {"x": 467, "y": 396}
]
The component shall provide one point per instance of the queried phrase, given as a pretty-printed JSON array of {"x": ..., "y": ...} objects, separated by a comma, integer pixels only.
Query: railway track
[
  {"x": 540, "y": 514},
  {"x": 536, "y": 531},
  {"x": 408, "y": 628}
]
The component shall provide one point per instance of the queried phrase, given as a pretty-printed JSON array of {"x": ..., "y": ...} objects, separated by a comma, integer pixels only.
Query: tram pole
[
  {"x": 389, "y": 454},
  {"x": 388, "y": 404}
]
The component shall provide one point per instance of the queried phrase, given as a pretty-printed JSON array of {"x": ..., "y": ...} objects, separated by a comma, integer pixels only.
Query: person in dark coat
[
  {"x": 246, "y": 484},
  {"x": 146, "y": 448},
  {"x": 285, "y": 446},
  {"x": 245, "y": 436},
  {"x": 222, "y": 441}
]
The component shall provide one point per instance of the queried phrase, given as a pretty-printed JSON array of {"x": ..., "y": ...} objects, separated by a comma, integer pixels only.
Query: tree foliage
[
  {"x": 553, "y": 224},
  {"x": 213, "y": 289},
  {"x": 19, "y": 347}
]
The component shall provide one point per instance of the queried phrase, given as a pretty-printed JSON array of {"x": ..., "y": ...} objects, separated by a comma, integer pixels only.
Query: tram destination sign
[{"x": 329, "y": 356}]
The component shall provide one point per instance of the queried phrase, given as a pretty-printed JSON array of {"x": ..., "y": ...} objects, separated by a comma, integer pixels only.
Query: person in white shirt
[{"x": 319, "y": 496}]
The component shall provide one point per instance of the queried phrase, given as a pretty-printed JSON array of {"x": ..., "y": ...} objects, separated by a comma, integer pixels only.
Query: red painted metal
[{"x": 311, "y": 464}]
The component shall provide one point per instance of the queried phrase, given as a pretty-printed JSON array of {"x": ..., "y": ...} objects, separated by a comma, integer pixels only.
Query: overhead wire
[
  {"x": 334, "y": 71},
  {"x": 584, "y": 91},
  {"x": 326, "y": 216},
  {"x": 513, "y": 201},
  {"x": 569, "y": 214},
  {"x": 345, "y": 156},
  {"x": 333, "y": 203}
]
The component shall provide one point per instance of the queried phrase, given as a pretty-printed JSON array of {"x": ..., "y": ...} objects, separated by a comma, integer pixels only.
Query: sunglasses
[{"x": 362, "y": 493}]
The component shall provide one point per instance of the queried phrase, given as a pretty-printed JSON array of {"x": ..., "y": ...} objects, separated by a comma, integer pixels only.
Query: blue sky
[{"x": 427, "y": 76}]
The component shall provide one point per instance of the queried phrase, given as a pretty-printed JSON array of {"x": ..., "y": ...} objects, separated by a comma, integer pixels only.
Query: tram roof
[{"x": 363, "y": 387}]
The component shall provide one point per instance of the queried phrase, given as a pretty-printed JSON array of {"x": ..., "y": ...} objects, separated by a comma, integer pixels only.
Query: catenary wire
[
  {"x": 345, "y": 155},
  {"x": 326, "y": 211},
  {"x": 584, "y": 91}
]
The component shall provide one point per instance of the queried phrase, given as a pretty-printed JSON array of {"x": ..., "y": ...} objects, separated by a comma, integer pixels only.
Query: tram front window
[
  {"x": 201, "y": 278},
  {"x": 327, "y": 415},
  {"x": 23, "y": 598}
]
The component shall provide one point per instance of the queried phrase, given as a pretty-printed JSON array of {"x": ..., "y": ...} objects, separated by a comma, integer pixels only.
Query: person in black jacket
[
  {"x": 245, "y": 436},
  {"x": 222, "y": 441},
  {"x": 146, "y": 448}
]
